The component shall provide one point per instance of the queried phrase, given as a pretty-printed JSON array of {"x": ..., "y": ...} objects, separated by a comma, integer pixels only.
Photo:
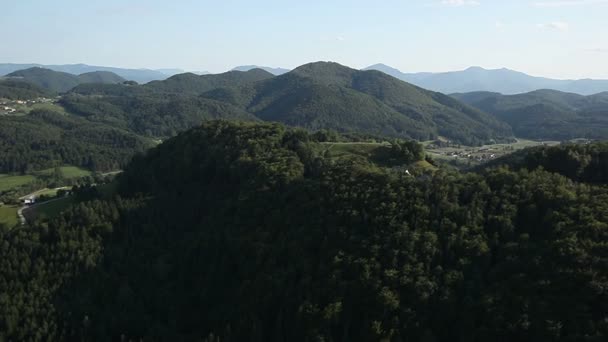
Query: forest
[
  {"x": 246, "y": 232},
  {"x": 46, "y": 138}
]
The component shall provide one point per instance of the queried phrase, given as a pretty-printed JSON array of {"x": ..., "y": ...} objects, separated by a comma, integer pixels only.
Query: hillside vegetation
[
  {"x": 243, "y": 232},
  {"x": 331, "y": 96},
  {"x": 18, "y": 90},
  {"x": 579, "y": 162},
  {"x": 315, "y": 96},
  {"x": 61, "y": 82},
  {"x": 546, "y": 114},
  {"x": 46, "y": 139}
]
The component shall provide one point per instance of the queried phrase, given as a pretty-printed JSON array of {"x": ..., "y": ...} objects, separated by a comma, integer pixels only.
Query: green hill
[
  {"x": 331, "y": 96},
  {"x": 48, "y": 79},
  {"x": 104, "y": 77},
  {"x": 546, "y": 114},
  {"x": 249, "y": 232},
  {"x": 189, "y": 83},
  {"x": 62, "y": 82},
  {"x": 579, "y": 162},
  {"x": 314, "y": 96},
  {"x": 45, "y": 139},
  {"x": 13, "y": 89}
]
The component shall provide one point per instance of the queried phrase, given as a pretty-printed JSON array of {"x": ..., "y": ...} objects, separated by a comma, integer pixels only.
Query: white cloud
[
  {"x": 499, "y": 25},
  {"x": 556, "y": 25},
  {"x": 459, "y": 3},
  {"x": 567, "y": 3}
]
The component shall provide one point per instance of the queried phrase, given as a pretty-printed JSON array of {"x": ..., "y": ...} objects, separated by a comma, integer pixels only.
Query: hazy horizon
[{"x": 554, "y": 39}]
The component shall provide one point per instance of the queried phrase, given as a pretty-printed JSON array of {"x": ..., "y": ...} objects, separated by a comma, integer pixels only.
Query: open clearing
[
  {"x": 66, "y": 171},
  {"x": 8, "y": 216},
  {"x": 8, "y": 182},
  {"x": 48, "y": 209}
]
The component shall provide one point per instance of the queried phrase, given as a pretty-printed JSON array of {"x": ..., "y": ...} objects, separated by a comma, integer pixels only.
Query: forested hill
[
  {"x": 330, "y": 96},
  {"x": 47, "y": 138},
  {"x": 546, "y": 114},
  {"x": 189, "y": 83},
  {"x": 19, "y": 90},
  {"x": 62, "y": 82},
  {"x": 250, "y": 232},
  {"x": 579, "y": 162}
]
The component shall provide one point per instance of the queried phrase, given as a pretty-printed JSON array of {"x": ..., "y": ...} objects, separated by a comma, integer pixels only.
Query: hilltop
[
  {"x": 62, "y": 82},
  {"x": 274, "y": 71},
  {"x": 331, "y": 96},
  {"x": 546, "y": 114},
  {"x": 137, "y": 75},
  {"x": 197, "y": 84}
]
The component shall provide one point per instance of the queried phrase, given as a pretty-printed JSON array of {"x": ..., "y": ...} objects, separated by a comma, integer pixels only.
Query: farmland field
[
  {"x": 48, "y": 209},
  {"x": 67, "y": 172},
  {"x": 8, "y": 216},
  {"x": 8, "y": 182}
]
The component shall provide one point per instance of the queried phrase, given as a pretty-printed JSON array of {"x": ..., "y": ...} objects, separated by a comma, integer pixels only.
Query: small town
[{"x": 8, "y": 107}]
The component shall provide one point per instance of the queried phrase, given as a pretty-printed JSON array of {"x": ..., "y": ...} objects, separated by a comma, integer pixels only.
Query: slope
[
  {"x": 546, "y": 114},
  {"x": 190, "y": 83},
  {"x": 104, "y": 77},
  {"x": 62, "y": 82},
  {"x": 503, "y": 81},
  {"x": 331, "y": 96}
]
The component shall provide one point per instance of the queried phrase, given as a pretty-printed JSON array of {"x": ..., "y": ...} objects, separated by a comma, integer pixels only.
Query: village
[
  {"x": 470, "y": 156},
  {"x": 13, "y": 107}
]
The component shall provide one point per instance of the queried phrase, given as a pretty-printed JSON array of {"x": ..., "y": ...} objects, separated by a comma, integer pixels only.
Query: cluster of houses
[
  {"x": 477, "y": 155},
  {"x": 8, "y": 106}
]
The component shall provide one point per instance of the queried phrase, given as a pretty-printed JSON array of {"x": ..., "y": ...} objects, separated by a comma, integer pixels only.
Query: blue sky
[{"x": 561, "y": 38}]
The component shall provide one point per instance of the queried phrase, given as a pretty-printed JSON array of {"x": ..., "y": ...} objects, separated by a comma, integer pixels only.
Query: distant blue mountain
[
  {"x": 138, "y": 75},
  {"x": 274, "y": 71},
  {"x": 502, "y": 81}
]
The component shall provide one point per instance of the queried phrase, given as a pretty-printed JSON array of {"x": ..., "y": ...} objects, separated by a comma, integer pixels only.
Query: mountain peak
[
  {"x": 274, "y": 71},
  {"x": 475, "y": 68}
]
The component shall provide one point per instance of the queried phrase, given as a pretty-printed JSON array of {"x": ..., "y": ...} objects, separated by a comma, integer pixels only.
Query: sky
[{"x": 552, "y": 38}]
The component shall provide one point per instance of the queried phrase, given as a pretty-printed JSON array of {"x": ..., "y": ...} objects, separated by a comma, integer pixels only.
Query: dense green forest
[
  {"x": 314, "y": 96},
  {"x": 546, "y": 114},
  {"x": 44, "y": 139},
  {"x": 580, "y": 162},
  {"x": 189, "y": 83},
  {"x": 61, "y": 82},
  {"x": 247, "y": 232},
  {"x": 19, "y": 90}
]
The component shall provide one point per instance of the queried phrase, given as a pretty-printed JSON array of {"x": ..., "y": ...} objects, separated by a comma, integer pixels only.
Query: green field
[
  {"x": 68, "y": 172},
  {"x": 48, "y": 209},
  {"x": 27, "y": 108},
  {"x": 339, "y": 149},
  {"x": 8, "y": 182},
  {"x": 8, "y": 216}
]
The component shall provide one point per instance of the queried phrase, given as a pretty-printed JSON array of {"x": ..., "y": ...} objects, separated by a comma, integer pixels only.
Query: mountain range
[
  {"x": 502, "y": 81},
  {"x": 61, "y": 82},
  {"x": 546, "y": 114},
  {"x": 274, "y": 71},
  {"x": 326, "y": 95},
  {"x": 137, "y": 75}
]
